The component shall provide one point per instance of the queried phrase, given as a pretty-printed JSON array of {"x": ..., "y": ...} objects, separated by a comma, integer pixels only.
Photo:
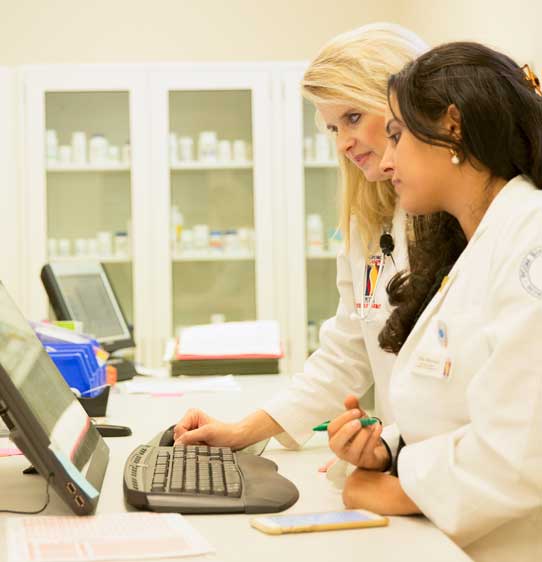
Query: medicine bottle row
[
  {"x": 316, "y": 244},
  {"x": 104, "y": 245},
  {"x": 97, "y": 151},
  {"x": 201, "y": 239},
  {"x": 210, "y": 149},
  {"x": 319, "y": 148}
]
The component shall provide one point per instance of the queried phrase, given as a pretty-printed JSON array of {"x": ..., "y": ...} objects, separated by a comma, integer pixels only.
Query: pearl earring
[{"x": 455, "y": 157}]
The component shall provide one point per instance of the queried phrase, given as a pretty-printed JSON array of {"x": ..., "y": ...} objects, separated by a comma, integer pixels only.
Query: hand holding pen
[{"x": 357, "y": 442}]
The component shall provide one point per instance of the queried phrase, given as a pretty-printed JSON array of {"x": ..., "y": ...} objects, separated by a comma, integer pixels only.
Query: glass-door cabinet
[
  {"x": 86, "y": 175},
  {"x": 311, "y": 172},
  {"x": 11, "y": 209},
  {"x": 211, "y": 159}
]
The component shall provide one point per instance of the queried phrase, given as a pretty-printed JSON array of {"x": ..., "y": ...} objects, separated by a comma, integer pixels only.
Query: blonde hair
[{"x": 353, "y": 68}]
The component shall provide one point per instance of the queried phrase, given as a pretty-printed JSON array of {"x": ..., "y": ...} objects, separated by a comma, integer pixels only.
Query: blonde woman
[{"x": 347, "y": 82}]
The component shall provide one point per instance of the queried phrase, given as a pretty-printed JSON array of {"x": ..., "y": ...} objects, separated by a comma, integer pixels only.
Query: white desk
[{"x": 406, "y": 539}]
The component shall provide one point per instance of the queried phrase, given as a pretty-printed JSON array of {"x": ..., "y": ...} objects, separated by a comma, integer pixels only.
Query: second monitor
[{"x": 82, "y": 291}]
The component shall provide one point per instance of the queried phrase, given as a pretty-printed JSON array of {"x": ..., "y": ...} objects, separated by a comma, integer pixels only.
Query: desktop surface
[{"x": 231, "y": 535}]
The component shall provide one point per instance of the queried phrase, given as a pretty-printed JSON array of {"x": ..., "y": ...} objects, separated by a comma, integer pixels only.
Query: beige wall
[
  {"x": 63, "y": 31},
  {"x": 512, "y": 26}
]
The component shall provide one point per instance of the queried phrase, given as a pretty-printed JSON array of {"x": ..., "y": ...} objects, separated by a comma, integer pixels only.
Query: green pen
[{"x": 365, "y": 422}]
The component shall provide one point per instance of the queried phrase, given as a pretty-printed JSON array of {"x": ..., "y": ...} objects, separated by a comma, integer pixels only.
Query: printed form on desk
[
  {"x": 259, "y": 338},
  {"x": 121, "y": 536}
]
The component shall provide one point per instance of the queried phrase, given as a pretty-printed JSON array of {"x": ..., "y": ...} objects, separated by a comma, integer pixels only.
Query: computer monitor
[
  {"x": 81, "y": 291},
  {"x": 45, "y": 419}
]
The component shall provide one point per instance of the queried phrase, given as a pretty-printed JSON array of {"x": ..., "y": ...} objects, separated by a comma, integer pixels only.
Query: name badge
[{"x": 435, "y": 366}]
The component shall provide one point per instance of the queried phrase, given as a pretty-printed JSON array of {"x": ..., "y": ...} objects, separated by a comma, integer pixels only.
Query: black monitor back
[{"x": 45, "y": 420}]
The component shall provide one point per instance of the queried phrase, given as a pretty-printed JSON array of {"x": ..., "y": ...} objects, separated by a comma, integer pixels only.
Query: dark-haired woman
[{"x": 465, "y": 148}]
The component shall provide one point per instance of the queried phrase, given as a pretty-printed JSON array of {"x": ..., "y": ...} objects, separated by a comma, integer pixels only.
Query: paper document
[
  {"x": 9, "y": 451},
  {"x": 176, "y": 387},
  {"x": 160, "y": 372},
  {"x": 122, "y": 536},
  {"x": 230, "y": 340}
]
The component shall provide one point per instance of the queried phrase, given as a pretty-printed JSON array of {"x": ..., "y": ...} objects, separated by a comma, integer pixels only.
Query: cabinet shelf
[
  {"x": 324, "y": 255},
  {"x": 187, "y": 257},
  {"x": 88, "y": 168},
  {"x": 102, "y": 259},
  {"x": 321, "y": 164},
  {"x": 211, "y": 166}
]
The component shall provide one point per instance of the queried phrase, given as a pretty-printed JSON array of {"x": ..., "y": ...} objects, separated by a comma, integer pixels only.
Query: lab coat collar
[{"x": 509, "y": 197}]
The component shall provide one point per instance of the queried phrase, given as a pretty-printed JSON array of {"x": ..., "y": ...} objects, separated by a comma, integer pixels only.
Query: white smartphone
[{"x": 308, "y": 522}]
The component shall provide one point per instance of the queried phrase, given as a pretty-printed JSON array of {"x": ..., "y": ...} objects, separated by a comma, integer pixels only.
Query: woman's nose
[
  {"x": 386, "y": 164},
  {"x": 344, "y": 141}
]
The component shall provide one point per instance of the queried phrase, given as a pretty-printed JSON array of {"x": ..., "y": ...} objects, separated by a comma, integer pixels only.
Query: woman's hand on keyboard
[{"x": 197, "y": 427}]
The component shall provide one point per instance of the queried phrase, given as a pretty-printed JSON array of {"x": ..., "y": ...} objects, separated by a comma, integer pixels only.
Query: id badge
[
  {"x": 435, "y": 363},
  {"x": 437, "y": 366},
  {"x": 372, "y": 274}
]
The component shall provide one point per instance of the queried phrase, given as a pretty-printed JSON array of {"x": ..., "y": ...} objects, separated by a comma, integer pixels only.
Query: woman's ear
[{"x": 452, "y": 121}]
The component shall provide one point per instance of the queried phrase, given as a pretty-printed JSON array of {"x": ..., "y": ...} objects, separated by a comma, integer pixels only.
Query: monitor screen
[
  {"x": 89, "y": 302},
  {"x": 81, "y": 291},
  {"x": 45, "y": 420}
]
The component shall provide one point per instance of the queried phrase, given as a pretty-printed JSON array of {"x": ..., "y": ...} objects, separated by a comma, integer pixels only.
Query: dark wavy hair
[{"x": 501, "y": 132}]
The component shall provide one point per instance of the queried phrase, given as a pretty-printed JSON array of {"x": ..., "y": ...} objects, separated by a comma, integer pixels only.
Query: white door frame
[{"x": 294, "y": 225}]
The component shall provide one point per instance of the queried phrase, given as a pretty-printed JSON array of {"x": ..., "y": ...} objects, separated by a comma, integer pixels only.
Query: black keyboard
[
  {"x": 197, "y": 469},
  {"x": 201, "y": 479}
]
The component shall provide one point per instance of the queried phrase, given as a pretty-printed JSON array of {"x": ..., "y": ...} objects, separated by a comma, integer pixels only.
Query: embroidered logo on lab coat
[
  {"x": 372, "y": 272},
  {"x": 530, "y": 272},
  {"x": 442, "y": 334}
]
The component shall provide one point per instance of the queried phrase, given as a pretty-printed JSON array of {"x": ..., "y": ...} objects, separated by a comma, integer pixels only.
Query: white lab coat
[
  {"x": 349, "y": 359},
  {"x": 473, "y": 455}
]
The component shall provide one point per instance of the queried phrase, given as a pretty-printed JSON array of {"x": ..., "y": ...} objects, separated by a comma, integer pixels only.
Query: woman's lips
[{"x": 362, "y": 158}]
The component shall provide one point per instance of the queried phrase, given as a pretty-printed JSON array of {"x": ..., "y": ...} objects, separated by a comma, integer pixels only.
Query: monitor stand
[{"x": 125, "y": 368}]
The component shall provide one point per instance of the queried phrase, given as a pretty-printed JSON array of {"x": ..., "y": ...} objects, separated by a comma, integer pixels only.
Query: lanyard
[
  {"x": 387, "y": 245},
  {"x": 367, "y": 306}
]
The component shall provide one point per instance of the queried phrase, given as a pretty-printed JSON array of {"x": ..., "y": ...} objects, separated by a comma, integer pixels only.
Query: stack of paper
[
  {"x": 122, "y": 536},
  {"x": 227, "y": 348}
]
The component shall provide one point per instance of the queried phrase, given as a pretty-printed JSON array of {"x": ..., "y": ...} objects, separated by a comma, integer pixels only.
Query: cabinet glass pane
[
  {"x": 321, "y": 220},
  {"x": 87, "y": 154},
  {"x": 212, "y": 206}
]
